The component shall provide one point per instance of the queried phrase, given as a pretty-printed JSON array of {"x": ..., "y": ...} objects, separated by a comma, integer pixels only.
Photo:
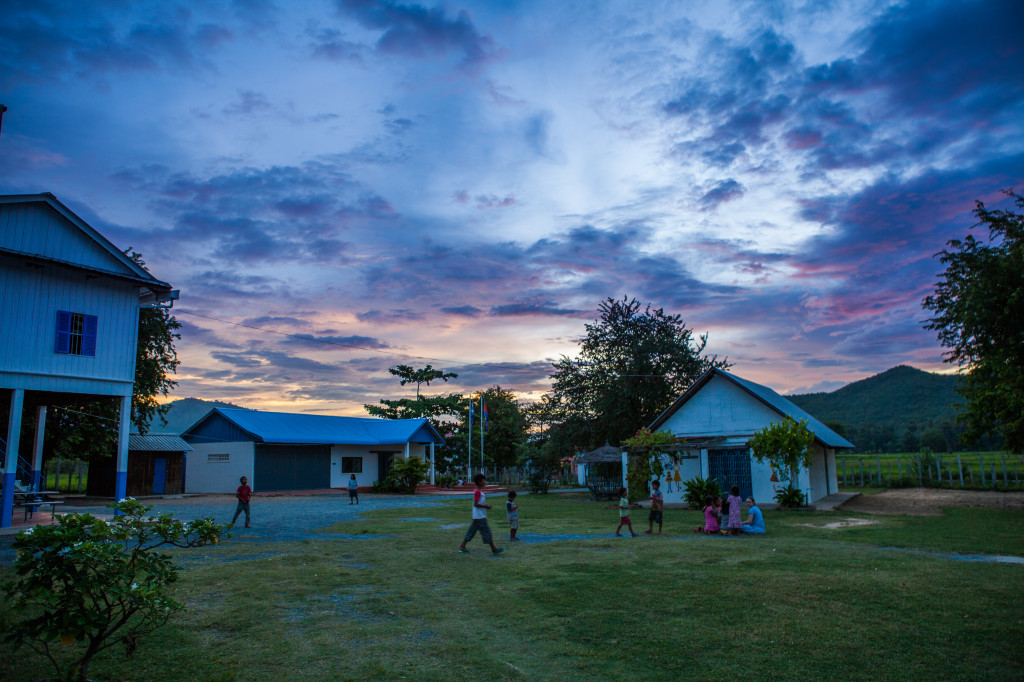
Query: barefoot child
[
  {"x": 480, "y": 508},
  {"x": 657, "y": 503},
  {"x": 623, "y": 508},
  {"x": 353, "y": 490},
  {"x": 735, "y": 510},
  {"x": 512, "y": 513}
]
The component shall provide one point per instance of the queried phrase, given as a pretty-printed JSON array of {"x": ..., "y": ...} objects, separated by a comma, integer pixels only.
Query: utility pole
[{"x": 2, "y": 110}]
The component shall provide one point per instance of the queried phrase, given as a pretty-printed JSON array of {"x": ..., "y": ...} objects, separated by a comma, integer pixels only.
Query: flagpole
[
  {"x": 483, "y": 423},
  {"x": 469, "y": 458}
]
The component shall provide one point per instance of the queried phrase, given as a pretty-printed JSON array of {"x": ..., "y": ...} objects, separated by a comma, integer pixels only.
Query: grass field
[
  {"x": 804, "y": 602},
  {"x": 970, "y": 466}
]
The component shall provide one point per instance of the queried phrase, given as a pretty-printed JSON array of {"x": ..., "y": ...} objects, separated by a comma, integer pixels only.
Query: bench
[{"x": 31, "y": 506}]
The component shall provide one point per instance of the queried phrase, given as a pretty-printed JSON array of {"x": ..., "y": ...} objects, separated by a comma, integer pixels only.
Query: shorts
[
  {"x": 654, "y": 516},
  {"x": 479, "y": 525},
  {"x": 514, "y": 523},
  {"x": 353, "y": 493}
]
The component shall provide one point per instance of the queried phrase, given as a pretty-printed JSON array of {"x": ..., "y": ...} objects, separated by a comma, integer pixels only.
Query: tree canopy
[
  {"x": 786, "y": 445},
  {"x": 979, "y": 307},
  {"x": 633, "y": 362},
  {"x": 440, "y": 410}
]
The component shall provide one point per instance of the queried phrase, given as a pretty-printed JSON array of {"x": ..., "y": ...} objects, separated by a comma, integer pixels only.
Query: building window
[
  {"x": 76, "y": 334},
  {"x": 351, "y": 465},
  {"x": 218, "y": 457}
]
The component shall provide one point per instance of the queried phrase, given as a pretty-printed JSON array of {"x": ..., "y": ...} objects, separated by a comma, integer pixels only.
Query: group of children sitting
[{"x": 725, "y": 516}]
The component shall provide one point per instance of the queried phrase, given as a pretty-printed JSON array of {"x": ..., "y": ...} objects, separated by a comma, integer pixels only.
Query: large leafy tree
[
  {"x": 633, "y": 362},
  {"x": 979, "y": 308},
  {"x": 441, "y": 410},
  {"x": 507, "y": 431}
]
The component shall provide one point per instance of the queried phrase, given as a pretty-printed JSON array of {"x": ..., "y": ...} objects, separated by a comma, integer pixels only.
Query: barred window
[{"x": 218, "y": 457}]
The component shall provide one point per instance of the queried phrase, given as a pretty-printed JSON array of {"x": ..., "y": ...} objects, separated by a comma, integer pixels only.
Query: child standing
[
  {"x": 479, "y": 523},
  {"x": 735, "y": 511},
  {"x": 657, "y": 503},
  {"x": 353, "y": 490},
  {"x": 623, "y": 508},
  {"x": 244, "y": 494},
  {"x": 512, "y": 514}
]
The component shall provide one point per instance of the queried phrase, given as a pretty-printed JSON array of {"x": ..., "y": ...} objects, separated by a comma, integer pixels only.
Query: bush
[
  {"x": 698, "y": 488},
  {"x": 85, "y": 585},
  {"x": 444, "y": 481},
  {"x": 404, "y": 476},
  {"x": 540, "y": 480},
  {"x": 789, "y": 497}
]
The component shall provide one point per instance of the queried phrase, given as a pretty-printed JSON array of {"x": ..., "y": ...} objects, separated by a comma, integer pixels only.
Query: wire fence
[{"x": 995, "y": 471}]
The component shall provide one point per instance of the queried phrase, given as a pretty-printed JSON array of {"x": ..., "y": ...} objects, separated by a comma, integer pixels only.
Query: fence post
[
  {"x": 861, "y": 463},
  {"x": 899, "y": 467},
  {"x": 981, "y": 468},
  {"x": 938, "y": 468},
  {"x": 1005, "y": 482},
  {"x": 845, "y": 484},
  {"x": 920, "y": 479},
  {"x": 995, "y": 481},
  {"x": 878, "y": 463},
  {"x": 960, "y": 469},
  {"x": 970, "y": 474}
]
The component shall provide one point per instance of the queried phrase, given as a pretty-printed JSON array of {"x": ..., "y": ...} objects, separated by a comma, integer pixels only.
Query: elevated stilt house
[{"x": 69, "y": 321}]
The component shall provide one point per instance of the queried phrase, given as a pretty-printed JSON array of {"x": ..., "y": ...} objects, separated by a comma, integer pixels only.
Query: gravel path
[{"x": 930, "y": 501}]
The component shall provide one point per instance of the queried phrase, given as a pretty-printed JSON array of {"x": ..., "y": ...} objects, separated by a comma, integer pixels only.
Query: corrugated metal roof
[
  {"x": 157, "y": 442},
  {"x": 286, "y": 427},
  {"x": 766, "y": 395}
]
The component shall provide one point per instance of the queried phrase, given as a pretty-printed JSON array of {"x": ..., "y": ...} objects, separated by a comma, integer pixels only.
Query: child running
[
  {"x": 479, "y": 523},
  {"x": 512, "y": 513},
  {"x": 657, "y": 503},
  {"x": 623, "y": 508}
]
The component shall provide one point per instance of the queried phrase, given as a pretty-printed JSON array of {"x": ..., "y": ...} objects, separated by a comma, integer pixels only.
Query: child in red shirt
[{"x": 244, "y": 494}]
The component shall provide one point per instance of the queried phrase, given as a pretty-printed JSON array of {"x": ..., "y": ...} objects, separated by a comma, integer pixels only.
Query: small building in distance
[
  {"x": 156, "y": 466},
  {"x": 285, "y": 451},
  {"x": 718, "y": 414}
]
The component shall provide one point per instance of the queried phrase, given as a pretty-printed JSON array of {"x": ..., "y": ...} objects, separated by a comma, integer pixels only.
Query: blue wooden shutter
[
  {"x": 89, "y": 335},
  {"x": 63, "y": 343}
]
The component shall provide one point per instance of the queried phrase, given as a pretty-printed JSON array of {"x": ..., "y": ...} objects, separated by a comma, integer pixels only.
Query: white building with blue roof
[
  {"x": 286, "y": 451},
  {"x": 721, "y": 412}
]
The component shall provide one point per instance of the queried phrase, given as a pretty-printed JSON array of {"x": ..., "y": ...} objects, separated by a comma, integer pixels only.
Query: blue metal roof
[
  {"x": 286, "y": 427},
  {"x": 767, "y": 396}
]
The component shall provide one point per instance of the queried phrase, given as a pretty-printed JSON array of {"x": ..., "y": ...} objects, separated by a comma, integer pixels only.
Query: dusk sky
[{"x": 464, "y": 183}]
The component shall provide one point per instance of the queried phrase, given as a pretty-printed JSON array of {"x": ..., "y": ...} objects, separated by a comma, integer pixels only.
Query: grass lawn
[{"x": 805, "y": 602}]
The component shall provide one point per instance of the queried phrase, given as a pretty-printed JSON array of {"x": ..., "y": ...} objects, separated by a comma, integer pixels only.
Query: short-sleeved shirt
[
  {"x": 353, "y": 484},
  {"x": 479, "y": 498},
  {"x": 244, "y": 492},
  {"x": 511, "y": 513},
  {"x": 756, "y": 524},
  {"x": 656, "y": 495},
  {"x": 623, "y": 502}
]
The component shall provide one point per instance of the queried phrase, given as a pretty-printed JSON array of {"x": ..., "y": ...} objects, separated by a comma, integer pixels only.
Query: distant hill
[
  {"x": 894, "y": 410},
  {"x": 900, "y": 396},
  {"x": 184, "y": 413}
]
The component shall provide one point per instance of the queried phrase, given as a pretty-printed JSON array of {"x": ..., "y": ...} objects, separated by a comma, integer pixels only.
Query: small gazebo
[{"x": 604, "y": 474}]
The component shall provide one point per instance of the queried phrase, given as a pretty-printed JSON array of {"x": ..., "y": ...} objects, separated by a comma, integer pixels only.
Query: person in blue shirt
[{"x": 755, "y": 520}]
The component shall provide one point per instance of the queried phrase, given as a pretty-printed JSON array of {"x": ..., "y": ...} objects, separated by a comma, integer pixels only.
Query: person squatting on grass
[
  {"x": 244, "y": 494},
  {"x": 710, "y": 517},
  {"x": 353, "y": 489},
  {"x": 755, "y": 520},
  {"x": 623, "y": 507},
  {"x": 479, "y": 523},
  {"x": 657, "y": 504},
  {"x": 512, "y": 514}
]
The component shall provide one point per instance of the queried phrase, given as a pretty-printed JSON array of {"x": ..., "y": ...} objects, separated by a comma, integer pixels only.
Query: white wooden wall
[
  {"x": 35, "y": 228},
  {"x": 30, "y": 297},
  {"x": 370, "y": 468}
]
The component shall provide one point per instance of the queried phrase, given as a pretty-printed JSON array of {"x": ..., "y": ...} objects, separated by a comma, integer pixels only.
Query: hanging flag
[{"x": 487, "y": 419}]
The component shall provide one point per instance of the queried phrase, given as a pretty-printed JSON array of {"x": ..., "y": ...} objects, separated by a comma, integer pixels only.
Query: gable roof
[
  {"x": 287, "y": 427},
  {"x": 776, "y": 402},
  {"x": 129, "y": 270}
]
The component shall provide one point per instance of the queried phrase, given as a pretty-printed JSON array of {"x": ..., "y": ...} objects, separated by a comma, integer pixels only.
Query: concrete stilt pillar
[
  {"x": 37, "y": 449},
  {"x": 11, "y": 459},
  {"x": 121, "y": 475}
]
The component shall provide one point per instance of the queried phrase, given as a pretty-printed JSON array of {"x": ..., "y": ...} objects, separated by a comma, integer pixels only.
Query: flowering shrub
[{"x": 84, "y": 584}]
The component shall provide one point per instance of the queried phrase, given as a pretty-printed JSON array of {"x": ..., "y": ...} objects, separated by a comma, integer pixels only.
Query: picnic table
[{"x": 33, "y": 499}]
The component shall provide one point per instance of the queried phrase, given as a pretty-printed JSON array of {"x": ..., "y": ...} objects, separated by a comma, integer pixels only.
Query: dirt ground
[{"x": 930, "y": 501}]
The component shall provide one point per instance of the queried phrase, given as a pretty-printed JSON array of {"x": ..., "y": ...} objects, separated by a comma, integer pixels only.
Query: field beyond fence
[{"x": 969, "y": 470}]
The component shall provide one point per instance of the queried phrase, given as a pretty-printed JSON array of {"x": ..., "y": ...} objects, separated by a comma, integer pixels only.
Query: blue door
[
  {"x": 159, "y": 475},
  {"x": 729, "y": 468}
]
